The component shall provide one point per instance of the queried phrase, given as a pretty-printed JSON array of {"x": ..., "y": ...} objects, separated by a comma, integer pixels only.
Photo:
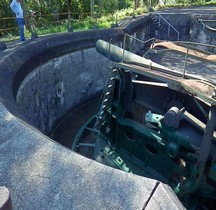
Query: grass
[
  {"x": 44, "y": 28},
  {"x": 105, "y": 21}
]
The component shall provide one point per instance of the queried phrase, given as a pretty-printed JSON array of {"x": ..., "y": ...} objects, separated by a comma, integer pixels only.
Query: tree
[
  {"x": 92, "y": 7},
  {"x": 69, "y": 16},
  {"x": 136, "y": 4},
  {"x": 26, "y": 19}
]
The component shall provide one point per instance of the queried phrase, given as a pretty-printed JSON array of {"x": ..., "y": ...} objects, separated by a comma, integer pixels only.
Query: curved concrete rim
[{"x": 41, "y": 174}]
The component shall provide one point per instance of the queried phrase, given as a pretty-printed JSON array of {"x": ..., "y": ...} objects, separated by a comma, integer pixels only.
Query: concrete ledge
[
  {"x": 42, "y": 174},
  {"x": 5, "y": 199}
]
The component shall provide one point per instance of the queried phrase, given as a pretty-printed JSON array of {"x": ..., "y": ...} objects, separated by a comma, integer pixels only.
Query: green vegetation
[{"x": 51, "y": 16}]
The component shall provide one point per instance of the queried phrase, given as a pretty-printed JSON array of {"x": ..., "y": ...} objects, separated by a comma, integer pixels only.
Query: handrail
[
  {"x": 139, "y": 40},
  {"x": 182, "y": 42},
  {"x": 205, "y": 25},
  {"x": 169, "y": 24},
  {"x": 44, "y": 20},
  {"x": 151, "y": 39},
  {"x": 186, "y": 59},
  {"x": 206, "y": 20},
  {"x": 196, "y": 43}
]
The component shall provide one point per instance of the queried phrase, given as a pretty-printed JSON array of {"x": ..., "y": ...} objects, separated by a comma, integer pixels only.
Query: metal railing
[
  {"x": 170, "y": 26},
  {"x": 188, "y": 45},
  {"x": 204, "y": 23},
  {"x": 134, "y": 38},
  {"x": 37, "y": 22}
]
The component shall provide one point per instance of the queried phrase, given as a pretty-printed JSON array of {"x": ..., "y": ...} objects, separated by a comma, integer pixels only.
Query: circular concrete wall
[
  {"x": 47, "y": 77},
  {"x": 50, "y": 91},
  {"x": 40, "y": 82}
]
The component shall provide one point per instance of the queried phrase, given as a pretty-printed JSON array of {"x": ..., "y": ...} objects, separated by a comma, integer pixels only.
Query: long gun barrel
[{"x": 118, "y": 54}]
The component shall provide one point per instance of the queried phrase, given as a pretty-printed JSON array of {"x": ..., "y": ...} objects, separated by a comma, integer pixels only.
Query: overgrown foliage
[{"x": 84, "y": 13}]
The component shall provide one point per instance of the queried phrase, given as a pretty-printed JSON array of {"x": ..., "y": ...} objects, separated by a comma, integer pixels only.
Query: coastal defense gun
[{"x": 156, "y": 123}]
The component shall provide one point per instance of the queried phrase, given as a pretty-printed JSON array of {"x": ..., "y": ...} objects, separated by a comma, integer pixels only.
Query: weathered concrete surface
[
  {"x": 189, "y": 27},
  {"x": 16, "y": 64},
  {"x": 61, "y": 84},
  {"x": 170, "y": 46},
  {"x": 42, "y": 174},
  {"x": 199, "y": 67}
]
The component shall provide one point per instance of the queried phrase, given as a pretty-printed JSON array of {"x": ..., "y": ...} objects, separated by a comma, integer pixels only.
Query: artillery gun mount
[{"x": 156, "y": 123}]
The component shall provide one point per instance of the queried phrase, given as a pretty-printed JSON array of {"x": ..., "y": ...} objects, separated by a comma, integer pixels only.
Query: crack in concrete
[{"x": 151, "y": 195}]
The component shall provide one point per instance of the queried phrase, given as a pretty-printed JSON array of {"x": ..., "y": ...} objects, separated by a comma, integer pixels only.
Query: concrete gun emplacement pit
[{"x": 153, "y": 116}]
